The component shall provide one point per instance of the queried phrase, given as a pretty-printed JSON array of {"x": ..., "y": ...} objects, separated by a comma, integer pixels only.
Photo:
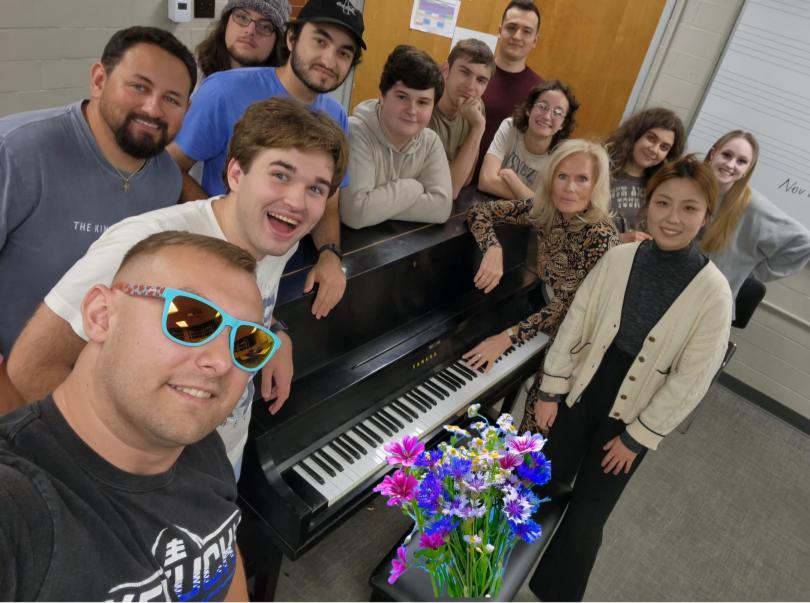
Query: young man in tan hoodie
[{"x": 398, "y": 168}]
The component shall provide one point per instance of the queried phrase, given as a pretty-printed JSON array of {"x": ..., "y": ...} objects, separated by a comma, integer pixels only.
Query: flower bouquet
[{"x": 470, "y": 499}]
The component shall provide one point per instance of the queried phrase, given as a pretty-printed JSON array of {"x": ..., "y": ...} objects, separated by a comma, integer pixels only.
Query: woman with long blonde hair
[
  {"x": 749, "y": 234},
  {"x": 569, "y": 217}
]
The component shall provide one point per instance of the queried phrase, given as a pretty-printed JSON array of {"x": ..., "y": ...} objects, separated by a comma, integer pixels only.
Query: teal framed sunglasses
[{"x": 193, "y": 321}]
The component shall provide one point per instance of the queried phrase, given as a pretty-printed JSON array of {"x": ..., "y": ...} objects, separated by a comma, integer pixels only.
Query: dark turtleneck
[{"x": 657, "y": 278}]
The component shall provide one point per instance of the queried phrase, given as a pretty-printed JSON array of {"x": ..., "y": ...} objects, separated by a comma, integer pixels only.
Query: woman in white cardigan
[{"x": 637, "y": 351}]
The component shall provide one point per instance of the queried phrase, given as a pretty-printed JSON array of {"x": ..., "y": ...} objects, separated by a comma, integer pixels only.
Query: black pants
[{"x": 575, "y": 448}]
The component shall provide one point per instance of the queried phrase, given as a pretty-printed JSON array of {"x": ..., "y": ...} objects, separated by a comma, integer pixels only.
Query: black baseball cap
[{"x": 339, "y": 12}]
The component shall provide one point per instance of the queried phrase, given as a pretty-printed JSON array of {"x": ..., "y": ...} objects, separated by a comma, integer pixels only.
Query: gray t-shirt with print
[
  {"x": 626, "y": 200},
  {"x": 58, "y": 193}
]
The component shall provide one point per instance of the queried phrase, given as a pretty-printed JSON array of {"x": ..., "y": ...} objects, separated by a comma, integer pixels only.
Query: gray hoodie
[
  {"x": 766, "y": 243},
  {"x": 411, "y": 184}
]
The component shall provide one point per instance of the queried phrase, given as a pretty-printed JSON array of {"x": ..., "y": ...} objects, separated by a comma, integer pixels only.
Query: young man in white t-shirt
[{"x": 284, "y": 161}]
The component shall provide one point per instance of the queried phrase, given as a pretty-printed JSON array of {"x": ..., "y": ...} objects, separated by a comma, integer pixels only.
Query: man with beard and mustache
[
  {"x": 249, "y": 33},
  {"x": 68, "y": 173},
  {"x": 325, "y": 43}
]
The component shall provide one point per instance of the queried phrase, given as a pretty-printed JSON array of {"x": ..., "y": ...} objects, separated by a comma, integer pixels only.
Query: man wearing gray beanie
[{"x": 249, "y": 33}]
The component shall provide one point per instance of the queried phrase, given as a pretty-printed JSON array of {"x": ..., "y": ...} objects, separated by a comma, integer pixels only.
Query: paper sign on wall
[
  {"x": 435, "y": 16},
  {"x": 465, "y": 34}
]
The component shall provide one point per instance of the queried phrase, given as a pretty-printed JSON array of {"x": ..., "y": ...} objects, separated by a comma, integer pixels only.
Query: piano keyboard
[{"x": 340, "y": 466}]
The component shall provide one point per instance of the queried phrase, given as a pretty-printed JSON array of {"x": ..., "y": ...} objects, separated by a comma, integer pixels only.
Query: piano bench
[{"x": 414, "y": 585}]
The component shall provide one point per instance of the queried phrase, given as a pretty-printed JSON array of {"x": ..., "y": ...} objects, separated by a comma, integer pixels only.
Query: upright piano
[{"x": 386, "y": 362}]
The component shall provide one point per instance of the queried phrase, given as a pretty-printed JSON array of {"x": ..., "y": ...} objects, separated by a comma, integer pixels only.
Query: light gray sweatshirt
[
  {"x": 385, "y": 183},
  {"x": 767, "y": 244}
]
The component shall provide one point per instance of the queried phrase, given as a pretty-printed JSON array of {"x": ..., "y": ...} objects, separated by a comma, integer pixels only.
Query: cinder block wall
[{"x": 48, "y": 46}]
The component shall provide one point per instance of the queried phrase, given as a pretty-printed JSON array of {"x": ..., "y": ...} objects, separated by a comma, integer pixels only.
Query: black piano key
[
  {"x": 347, "y": 445},
  {"x": 330, "y": 459},
  {"x": 433, "y": 390},
  {"x": 381, "y": 426},
  {"x": 415, "y": 410},
  {"x": 391, "y": 418},
  {"x": 453, "y": 378},
  {"x": 445, "y": 381},
  {"x": 312, "y": 473},
  {"x": 370, "y": 432},
  {"x": 409, "y": 414},
  {"x": 435, "y": 383},
  {"x": 343, "y": 454},
  {"x": 395, "y": 410},
  {"x": 464, "y": 370},
  {"x": 355, "y": 443},
  {"x": 422, "y": 397},
  {"x": 323, "y": 465},
  {"x": 359, "y": 434},
  {"x": 464, "y": 378},
  {"x": 427, "y": 396},
  {"x": 416, "y": 402},
  {"x": 387, "y": 422}
]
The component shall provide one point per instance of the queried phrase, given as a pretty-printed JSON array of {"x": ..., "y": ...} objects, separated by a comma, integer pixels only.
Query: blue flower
[
  {"x": 528, "y": 530},
  {"x": 536, "y": 470},
  {"x": 458, "y": 467},
  {"x": 442, "y": 526},
  {"x": 518, "y": 509},
  {"x": 429, "y": 458},
  {"x": 429, "y": 493}
]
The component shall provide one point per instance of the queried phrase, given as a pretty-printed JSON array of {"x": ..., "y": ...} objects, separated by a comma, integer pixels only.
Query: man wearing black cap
[{"x": 325, "y": 43}]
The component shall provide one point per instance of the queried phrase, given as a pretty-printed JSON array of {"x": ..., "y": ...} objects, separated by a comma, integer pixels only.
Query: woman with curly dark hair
[
  {"x": 523, "y": 142},
  {"x": 249, "y": 33},
  {"x": 636, "y": 150}
]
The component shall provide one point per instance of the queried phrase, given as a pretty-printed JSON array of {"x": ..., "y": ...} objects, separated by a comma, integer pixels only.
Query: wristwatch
[
  {"x": 513, "y": 336},
  {"x": 330, "y": 247},
  {"x": 279, "y": 326}
]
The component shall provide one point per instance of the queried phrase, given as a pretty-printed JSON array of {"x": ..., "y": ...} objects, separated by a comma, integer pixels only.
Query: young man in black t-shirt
[{"x": 117, "y": 486}]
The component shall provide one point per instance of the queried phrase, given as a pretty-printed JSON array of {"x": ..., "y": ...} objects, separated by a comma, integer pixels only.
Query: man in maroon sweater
[{"x": 512, "y": 80}]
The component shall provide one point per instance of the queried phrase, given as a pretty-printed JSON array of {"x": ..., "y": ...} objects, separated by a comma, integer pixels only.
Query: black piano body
[{"x": 409, "y": 311}]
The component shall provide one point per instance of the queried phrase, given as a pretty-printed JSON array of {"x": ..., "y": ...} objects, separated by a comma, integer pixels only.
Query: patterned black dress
[{"x": 566, "y": 252}]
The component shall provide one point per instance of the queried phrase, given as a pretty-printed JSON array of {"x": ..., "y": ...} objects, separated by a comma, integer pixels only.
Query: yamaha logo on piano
[{"x": 425, "y": 360}]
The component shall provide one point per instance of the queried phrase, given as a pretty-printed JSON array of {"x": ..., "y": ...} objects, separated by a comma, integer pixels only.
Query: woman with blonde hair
[
  {"x": 749, "y": 234},
  {"x": 636, "y": 353},
  {"x": 570, "y": 219}
]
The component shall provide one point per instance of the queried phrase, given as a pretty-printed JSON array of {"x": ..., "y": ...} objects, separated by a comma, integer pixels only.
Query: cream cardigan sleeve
[{"x": 560, "y": 360}]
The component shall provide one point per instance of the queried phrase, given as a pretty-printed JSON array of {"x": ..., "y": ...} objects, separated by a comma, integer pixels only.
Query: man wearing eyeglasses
[
  {"x": 116, "y": 487},
  {"x": 285, "y": 160},
  {"x": 325, "y": 43},
  {"x": 249, "y": 33}
]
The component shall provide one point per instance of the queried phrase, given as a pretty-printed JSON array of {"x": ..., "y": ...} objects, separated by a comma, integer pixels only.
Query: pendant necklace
[{"x": 125, "y": 179}]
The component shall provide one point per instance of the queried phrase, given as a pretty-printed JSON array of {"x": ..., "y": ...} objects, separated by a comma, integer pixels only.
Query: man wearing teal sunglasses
[
  {"x": 285, "y": 160},
  {"x": 117, "y": 487}
]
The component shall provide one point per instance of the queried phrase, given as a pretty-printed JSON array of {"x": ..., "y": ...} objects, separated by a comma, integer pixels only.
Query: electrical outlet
[{"x": 203, "y": 9}]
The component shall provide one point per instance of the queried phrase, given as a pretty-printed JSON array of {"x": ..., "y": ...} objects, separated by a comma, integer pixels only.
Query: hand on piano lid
[
  {"x": 328, "y": 274},
  {"x": 277, "y": 375},
  {"x": 491, "y": 269},
  {"x": 487, "y": 352}
]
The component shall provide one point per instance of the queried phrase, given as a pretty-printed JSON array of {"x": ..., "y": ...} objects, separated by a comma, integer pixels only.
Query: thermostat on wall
[{"x": 180, "y": 10}]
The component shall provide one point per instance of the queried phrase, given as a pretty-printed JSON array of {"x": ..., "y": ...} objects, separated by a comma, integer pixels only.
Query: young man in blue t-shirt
[{"x": 325, "y": 44}]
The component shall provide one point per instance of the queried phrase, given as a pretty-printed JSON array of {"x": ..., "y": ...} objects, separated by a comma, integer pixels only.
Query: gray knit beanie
[{"x": 278, "y": 11}]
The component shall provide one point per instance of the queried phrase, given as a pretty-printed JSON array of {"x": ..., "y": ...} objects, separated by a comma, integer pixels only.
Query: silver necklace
[{"x": 125, "y": 179}]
